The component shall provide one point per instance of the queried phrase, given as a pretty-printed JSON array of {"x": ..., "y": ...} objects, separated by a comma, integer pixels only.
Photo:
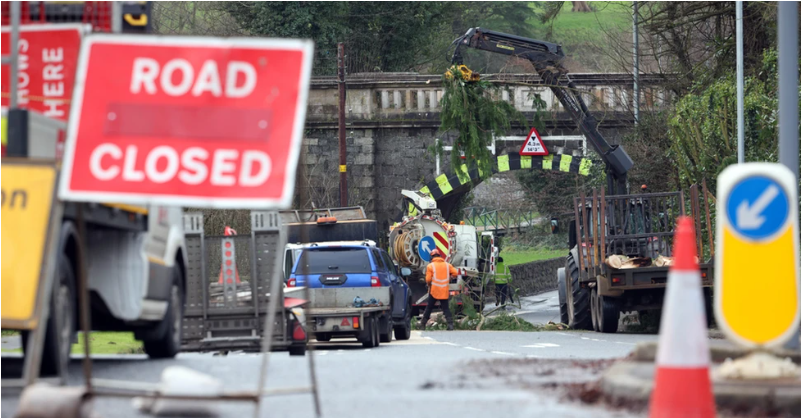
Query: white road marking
[
  {"x": 474, "y": 349},
  {"x": 428, "y": 338},
  {"x": 532, "y": 356},
  {"x": 502, "y": 353},
  {"x": 584, "y": 338},
  {"x": 368, "y": 350},
  {"x": 540, "y": 345},
  {"x": 453, "y": 344},
  {"x": 322, "y": 353},
  {"x": 618, "y": 342}
]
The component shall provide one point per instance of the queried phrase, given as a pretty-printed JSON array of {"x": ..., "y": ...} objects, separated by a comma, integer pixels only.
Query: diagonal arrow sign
[
  {"x": 424, "y": 246},
  {"x": 748, "y": 216}
]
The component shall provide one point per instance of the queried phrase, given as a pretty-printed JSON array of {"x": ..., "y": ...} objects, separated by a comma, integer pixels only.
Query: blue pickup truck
[{"x": 355, "y": 291}]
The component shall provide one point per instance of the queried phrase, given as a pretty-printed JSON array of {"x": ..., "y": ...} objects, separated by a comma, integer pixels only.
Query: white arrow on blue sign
[
  {"x": 757, "y": 207},
  {"x": 425, "y": 247}
]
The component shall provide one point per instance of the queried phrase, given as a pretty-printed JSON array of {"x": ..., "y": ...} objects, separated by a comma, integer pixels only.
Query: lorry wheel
[
  {"x": 168, "y": 344},
  {"x": 60, "y": 330},
  {"x": 608, "y": 314},
  {"x": 562, "y": 286},
  {"x": 386, "y": 333},
  {"x": 404, "y": 330},
  {"x": 594, "y": 309},
  {"x": 578, "y": 306},
  {"x": 323, "y": 337}
]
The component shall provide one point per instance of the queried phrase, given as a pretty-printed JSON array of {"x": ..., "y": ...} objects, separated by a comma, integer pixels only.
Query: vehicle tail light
[
  {"x": 374, "y": 282},
  {"x": 298, "y": 334},
  {"x": 355, "y": 322},
  {"x": 291, "y": 282},
  {"x": 703, "y": 275},
  {"x": 453, "y": 292},
  {"x": 617, "y": 281}
]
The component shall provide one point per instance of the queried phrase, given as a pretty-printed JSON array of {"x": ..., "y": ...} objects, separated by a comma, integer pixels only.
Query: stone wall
[
  {"x": 536, "y": 276},
  {"x": 381, "y": 162}
]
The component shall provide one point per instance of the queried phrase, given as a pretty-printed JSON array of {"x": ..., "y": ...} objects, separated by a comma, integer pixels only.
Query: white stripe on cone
[{"x": 683, "y": 333}]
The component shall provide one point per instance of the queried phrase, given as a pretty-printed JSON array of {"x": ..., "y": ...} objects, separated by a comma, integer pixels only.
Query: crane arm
[{"x": 547, "y": 58}]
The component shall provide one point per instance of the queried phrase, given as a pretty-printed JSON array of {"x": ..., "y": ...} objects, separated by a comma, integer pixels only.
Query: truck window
[
  {"x": 379, "y": 261},
  {"x": 334, "y": 260}
]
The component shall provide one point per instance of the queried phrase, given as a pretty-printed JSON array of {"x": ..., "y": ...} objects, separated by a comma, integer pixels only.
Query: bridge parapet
[{"x": 412, "y": 96}]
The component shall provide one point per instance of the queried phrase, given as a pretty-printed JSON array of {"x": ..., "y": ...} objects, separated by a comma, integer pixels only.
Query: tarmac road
[{"x": 428, "y": 375}]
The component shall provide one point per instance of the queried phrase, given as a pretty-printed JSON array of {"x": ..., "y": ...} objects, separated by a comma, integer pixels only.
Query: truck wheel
[
  {"x": 60, "y": 330},
  {"x": 323, "y": 337},
  {"x": 403, "y": 331},
  {"x": 608, "y": 314},
  {"x": 386, "y": 333},
  {"x": 578, "y": 306},
  {"x": 594, "y": 309},
  {"x": 168, "y": 344},
  {"x": 562, "y": 286}
]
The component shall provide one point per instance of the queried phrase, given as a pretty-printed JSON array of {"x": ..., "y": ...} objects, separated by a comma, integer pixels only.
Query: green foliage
[
  {"x": 515, "y": 256},
  {"x": 470, "y": 110},
  {"x": 506, "y": 322},
  {"x": 703, "y": 126}
]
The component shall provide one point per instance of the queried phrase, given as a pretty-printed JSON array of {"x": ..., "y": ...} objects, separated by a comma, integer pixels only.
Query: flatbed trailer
[
  {"x": 240, "y": 269},
  {"x": 332, "y": 313}
]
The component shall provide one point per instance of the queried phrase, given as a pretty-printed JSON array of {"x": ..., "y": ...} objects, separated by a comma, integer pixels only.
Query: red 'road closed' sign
[
  {"x": 204, "y": 122},
  {"x": 47, "y": 56}
]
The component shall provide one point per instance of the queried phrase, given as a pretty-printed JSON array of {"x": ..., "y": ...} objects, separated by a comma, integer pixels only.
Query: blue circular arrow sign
[
  {"x": 425, "y": 247},
  {"x": 757, "y": 207}
]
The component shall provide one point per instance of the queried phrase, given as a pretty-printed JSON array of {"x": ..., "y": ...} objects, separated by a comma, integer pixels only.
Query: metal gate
[{"x": 228, "y": 282}]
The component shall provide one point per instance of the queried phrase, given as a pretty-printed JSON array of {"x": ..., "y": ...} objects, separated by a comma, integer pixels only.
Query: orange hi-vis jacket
[{"x": 438, "y": 277}]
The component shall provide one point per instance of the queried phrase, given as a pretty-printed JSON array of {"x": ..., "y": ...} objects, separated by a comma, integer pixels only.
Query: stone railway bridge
[{"x": 393, "y": 121}]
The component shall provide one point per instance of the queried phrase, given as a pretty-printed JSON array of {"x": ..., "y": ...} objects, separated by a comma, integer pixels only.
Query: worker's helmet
[
  {"x": 436, "y": 253},
  {"x": 644, "y": 186}
]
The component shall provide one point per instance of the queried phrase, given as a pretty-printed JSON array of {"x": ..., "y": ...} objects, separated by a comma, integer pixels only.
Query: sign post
[
  {"x": 183, "y": 121},
  {"x": 757, "y": 296}
]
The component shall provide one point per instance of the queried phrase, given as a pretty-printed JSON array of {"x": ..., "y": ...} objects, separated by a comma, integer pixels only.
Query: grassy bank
[
  {"x": 512, "y": 257},
  {"x": 101, "y": 343}
]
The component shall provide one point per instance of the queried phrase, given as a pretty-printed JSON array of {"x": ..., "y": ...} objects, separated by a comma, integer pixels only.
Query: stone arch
[{"x": 449, "y": 187}]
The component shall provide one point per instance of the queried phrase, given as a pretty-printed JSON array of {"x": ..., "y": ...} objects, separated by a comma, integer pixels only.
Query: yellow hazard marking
[
  {"x": 27, "y": 198},
  {"x": 525, "y": 161},
  {"x": 442, "y": 247},
  {"x": 412, "y": 210},
  {"x": 425, "y": 190},
  {"x": 343, "y": 169},
  {"x": 547, "y": 162},
  {"x": 503, "y": 163},
  {"x": 463, "y": 174},
  {"x": 768, "y": 289},
  {"x": 4, "y": 130},
  {"x": 130, "y": 208},
  {"x": 584, "y": 166},
  {"x": 444, "y": 186},
  {"x": 564, "y": 163}
]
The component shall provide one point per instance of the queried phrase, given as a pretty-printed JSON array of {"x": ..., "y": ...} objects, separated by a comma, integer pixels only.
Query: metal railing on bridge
[{"x": 501, "y": 220}]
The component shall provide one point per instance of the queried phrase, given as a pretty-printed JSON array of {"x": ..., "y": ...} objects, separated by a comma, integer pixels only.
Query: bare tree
[{"x": 207, "y": 18}]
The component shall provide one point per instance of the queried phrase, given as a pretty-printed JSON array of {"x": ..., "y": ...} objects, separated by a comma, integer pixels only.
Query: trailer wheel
[
  {"x": 368, "y": 335},
  {"x": 60, "y": 330},
  {"x": 403, "y": 331},
  {"x": 562, "y": 286},
  {"x": 386, "y": 327},
  {"x": 608, "y": 314},
  {"x": 578, "y": 306},
  {"x": 168, "y": 344}
]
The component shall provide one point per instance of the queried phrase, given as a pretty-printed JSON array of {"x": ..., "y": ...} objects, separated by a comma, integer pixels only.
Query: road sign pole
[
  {"x": 15, "y": 22},
  {"x": 740, "y": 87},
  {"x": 788, "y": 99}
]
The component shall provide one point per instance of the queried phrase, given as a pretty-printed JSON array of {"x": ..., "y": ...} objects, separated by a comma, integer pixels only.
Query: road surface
[{"x": 434, "y": 374}]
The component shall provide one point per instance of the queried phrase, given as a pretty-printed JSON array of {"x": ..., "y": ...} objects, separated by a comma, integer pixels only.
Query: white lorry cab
[{"x": 134, "y": 258}]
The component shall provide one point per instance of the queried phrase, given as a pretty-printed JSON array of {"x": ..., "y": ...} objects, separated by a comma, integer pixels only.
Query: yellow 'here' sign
[
  {"x": 756, "y": 265},
  {"x": 27, "y": 198}
]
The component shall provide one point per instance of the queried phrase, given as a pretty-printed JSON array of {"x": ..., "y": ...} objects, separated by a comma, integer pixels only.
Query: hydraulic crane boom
[{"x": 547, "y": 58}]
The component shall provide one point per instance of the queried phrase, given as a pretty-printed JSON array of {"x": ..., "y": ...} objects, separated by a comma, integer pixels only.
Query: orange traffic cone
[{"x": 682, "y": 387}]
